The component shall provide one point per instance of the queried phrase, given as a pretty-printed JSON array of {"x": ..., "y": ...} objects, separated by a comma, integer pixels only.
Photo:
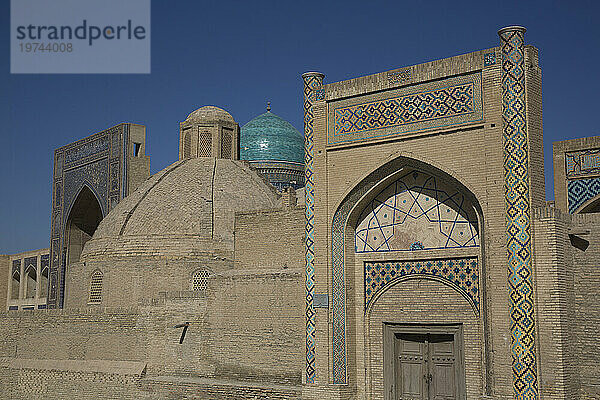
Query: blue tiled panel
[
  {"x": 84, "y": 163},
  {"x": 580, "y": 191},
  {"x": 447, "y": 102},
  {"x": 462, "y": 274},
  {"x": 582, "y": 163},
  {"x": 518, "y": 216},
  {"x": 313, "y": 87},
  {"x": 489, "y": 59}
]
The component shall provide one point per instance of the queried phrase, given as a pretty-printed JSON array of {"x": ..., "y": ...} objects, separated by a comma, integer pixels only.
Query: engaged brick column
[
  {"x": 518, "y": 214},
  {"x": 313, "y": 90}
]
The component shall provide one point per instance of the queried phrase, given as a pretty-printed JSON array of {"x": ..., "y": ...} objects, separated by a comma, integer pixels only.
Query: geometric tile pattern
[
  {"x": 518, "y": 215},
  {"x": 313, "y": 90},
  {"x": 281, "y": 174},
  {"x": 489, "y": 59},
  {"x": 580, "y": 191},
  {"x": 451, "y": 101},
  {"x": 417, "y": 212},
  {"x": 582, "y": 163},
  {"x": 98, "y": 162},
  {"x": 454, "y": 100},
  {"x": 462, "y": 274},
  {"x": 398, "y": 76},
  {"x": 16, "y": 267}
]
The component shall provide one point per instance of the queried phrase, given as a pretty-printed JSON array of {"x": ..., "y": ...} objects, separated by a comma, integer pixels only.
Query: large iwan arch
[{"x": 407, "y": 225}]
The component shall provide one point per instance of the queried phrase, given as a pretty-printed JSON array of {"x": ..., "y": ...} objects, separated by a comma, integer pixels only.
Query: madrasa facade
[{"x": 401, "y": 248}]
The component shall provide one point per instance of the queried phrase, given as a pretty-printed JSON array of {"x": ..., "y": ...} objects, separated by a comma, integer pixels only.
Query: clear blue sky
[{"x": 239, "y": 54}]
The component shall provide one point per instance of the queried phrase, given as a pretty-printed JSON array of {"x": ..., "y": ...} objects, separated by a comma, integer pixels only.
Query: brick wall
[
  {"x": 554, "y": 289},
  {"x": 586, "y": 308},
  {"x": 232, "y": 344},
  {"x": 4, "y": 274},
  {"x": 270, "y": 239}
]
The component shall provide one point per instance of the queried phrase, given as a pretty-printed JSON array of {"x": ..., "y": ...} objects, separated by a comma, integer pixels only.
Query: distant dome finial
[{"x": 268, "y": 106}]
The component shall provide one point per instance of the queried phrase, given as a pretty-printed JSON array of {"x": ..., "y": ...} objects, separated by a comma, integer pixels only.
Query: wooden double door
[{"x": 425, "y": 365}]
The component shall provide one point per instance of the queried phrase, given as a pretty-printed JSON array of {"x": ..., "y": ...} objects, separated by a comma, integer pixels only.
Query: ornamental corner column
[
  {"x": 517, "y": 195},
  {"x": 313, "y": 90}
]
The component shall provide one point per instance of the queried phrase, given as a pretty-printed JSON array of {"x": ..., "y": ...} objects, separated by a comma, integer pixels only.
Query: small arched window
[
  {"x": 96, "y": 288},
  {"x": 44, "y": 282},
  {"x": 226, "y": 144},
  {"x": 200, "y": 279},
  {"x": 15, "y": 284},
  {"x": 187, "y": 145},
  {"x": 205, "y": 144},
  {"x": 31, "y": 279}
]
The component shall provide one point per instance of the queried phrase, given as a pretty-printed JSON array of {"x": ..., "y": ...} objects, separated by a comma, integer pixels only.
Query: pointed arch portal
[{"x": 84, "y": 218}]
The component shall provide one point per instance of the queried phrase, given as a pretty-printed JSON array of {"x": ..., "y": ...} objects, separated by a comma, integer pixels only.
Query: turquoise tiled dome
[{"x": 271, "y": 138}]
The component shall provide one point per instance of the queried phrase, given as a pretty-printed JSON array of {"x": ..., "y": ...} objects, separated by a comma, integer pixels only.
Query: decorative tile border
[
  {"x": 489, "y": 59},
  {"x": 462, "y": 274},
  {"x": 399, "y": 76},
  {"x": 580, "y": 191},
  {"x": 582, "y": 163},
  {"x": 281, "y": 174},
  {"x": 518, "y": 215},
  {"x": 447, "y": 102},
  {"x": 313, "y": 91}
]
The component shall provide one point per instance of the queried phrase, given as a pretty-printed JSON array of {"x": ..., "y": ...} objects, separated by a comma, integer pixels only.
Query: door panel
[
  {"x": 425, "y": 366},
  {"x": 410, "y": 367},
  {"x": 443, "y": 367}
]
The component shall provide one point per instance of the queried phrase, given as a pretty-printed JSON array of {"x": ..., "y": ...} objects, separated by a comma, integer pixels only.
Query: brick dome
[
  {"x": 209, "y": 113},
  {"x": 187, "y": 207}
]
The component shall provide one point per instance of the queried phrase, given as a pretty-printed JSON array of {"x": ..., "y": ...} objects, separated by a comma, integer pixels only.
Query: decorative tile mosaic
[
  {"x": 447, "y": 102},
  {"x": 84, "y": 163},
  {"x": 16, "y": 267},
  {"x": 399, "y": 76},
  {"x": 417, "y": 212},
  {"x": 580, "y": 191},
  {"x": 93, "y": 175},
  {"x": 489, "y": 59},
  {"x": 582, "y": 163},
  {"x": 313, "y": 87},
  {"x": 462, "y": 274},
  {"x": 518, "y": 216},
  {"x": 85, "y": 149},
  {"x": 30, "y": 262},
  {"x": 281, "y": 174}
]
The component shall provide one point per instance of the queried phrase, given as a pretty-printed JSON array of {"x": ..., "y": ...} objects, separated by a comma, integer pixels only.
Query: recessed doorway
[{"x": 423, "y": 362}]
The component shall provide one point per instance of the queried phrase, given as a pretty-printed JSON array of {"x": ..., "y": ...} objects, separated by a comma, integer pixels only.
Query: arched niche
[
  {"x": 84, "y": 217},
  {"x": 417, "y": 211},
  {"x": 419, "y": 183}
]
